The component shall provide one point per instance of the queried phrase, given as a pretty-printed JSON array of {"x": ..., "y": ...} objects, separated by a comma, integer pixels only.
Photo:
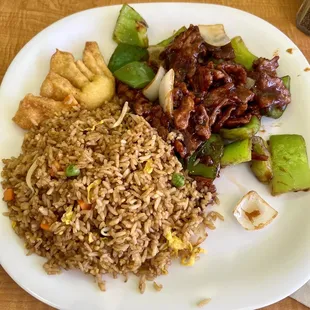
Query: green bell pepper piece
[
  {"x": 262, "y": 169},
  {"x": 242, "y": 55},
  {"x": 125, "y": 54},
  {"x": 130, "y": 28},
  {"x": 241, "y": 133},
  {"x": 135, "y": 74},
  {"x": 274, "y": 111},
  {"x": 209, "y": 172},
  {"x": 286, "y": 81},
  {"x": 213, "y": 148},
  {"x": 166, "y": 42},
  {"x": 237, "y": 152},
  {"x": 289, "y": 164}
]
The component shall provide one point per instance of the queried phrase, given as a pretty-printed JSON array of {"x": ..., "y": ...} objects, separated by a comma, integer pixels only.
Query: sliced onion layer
[
  {"x": 253, "y": 212},
  {"x": 199, "y": 235},
  {"x": 151, "y": 91},
  {"x": 30, "y": 172},
  {"x": 121, "y": 117},
  {"x": 249, "y": 83},
  {"x": 214, "y": 35},
  {"x": 165, "y": 92}
]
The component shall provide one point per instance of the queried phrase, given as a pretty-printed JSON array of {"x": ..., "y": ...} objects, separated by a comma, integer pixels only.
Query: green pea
[
  {"x": 178, "y": 180},
  {"x": 72, "y": 171}
]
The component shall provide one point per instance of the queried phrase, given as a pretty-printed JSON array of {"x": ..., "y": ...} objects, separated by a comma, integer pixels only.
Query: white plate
[{"x": 242, "y": 270}]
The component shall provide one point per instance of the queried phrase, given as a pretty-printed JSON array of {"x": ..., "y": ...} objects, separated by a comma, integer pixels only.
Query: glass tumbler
[{"x": 303, "y": 17}]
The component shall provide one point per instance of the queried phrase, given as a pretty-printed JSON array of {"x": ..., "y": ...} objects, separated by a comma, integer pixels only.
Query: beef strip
[
  {"x": 202, "y": 122},
  {"x": 242, "y": 96},
  {"x": 266, "y": 65},
  {"x": 183, "y": 53},
  {"x": 224, "y": 117},
  {"x": 180, "y": 148},
  {"x": 191, "y": 140},
  {"x": 234, "y": 122},
  {"x": 205, "y": 76},
  {"x": 235, "y": 71},
  {"x": 159, "y": 120},
  {"x": 225, "y": 52},
  {"x": 182, "y": 114},
  {"x": 269, "y": 89}
]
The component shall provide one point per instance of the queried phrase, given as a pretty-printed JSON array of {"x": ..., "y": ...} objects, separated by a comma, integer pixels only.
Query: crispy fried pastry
[
  {"x": 87, "y": 82},
  {"x": 34, "y": 109}
]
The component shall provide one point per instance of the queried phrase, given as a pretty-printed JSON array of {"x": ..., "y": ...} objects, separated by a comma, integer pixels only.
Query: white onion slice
[
  {"x": 253, "y": 212},
  {"x": 105, "y": 231},
  {"x": 214, "y": 35},
  {"x": 30, "y": 172},
  {"x": 121, "y": 117},
  {"x": 165, "y": 92},
  {"x": 249, "y": 83},
  {"x": 199, "y": 235},
  {"x": 151, "y": 91}
]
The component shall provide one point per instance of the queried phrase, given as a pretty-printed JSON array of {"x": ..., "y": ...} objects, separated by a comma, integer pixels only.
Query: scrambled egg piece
[
  {"x": 190, "y": 261},
  {"x": 148, "y": 168},
  {"x": 94, "y": 126},
  {"x": 90, "y": 238},
  {"x": 90, "y": 187},
  {"x": 177, "y": 244},
  {"x": 67, "y": 216}
]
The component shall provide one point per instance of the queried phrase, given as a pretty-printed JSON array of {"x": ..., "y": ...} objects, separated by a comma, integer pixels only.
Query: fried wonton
[
  {"x": 87, "y": 82},
  {"x": 34, "y": 109}
]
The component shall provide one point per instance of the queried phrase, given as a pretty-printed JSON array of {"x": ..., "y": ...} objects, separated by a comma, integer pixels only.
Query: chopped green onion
[
  {"x": 72, "y": 171},
  {"x": 178, "y": 180}
]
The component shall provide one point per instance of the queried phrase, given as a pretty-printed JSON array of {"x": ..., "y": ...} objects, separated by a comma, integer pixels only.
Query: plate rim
[{"x": 67, "y": 18}]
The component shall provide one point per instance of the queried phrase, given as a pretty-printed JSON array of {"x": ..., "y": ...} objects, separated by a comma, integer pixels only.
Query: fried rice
[{"x": 135, "y": 220}]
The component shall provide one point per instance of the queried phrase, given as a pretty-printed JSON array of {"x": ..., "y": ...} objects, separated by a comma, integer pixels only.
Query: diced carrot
[
  {"x": 8, "y": 195},
  {"x": 84, "y": 205},
  {"x": 55, "y": 167},
  {"x": 45, "y": 226}
]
